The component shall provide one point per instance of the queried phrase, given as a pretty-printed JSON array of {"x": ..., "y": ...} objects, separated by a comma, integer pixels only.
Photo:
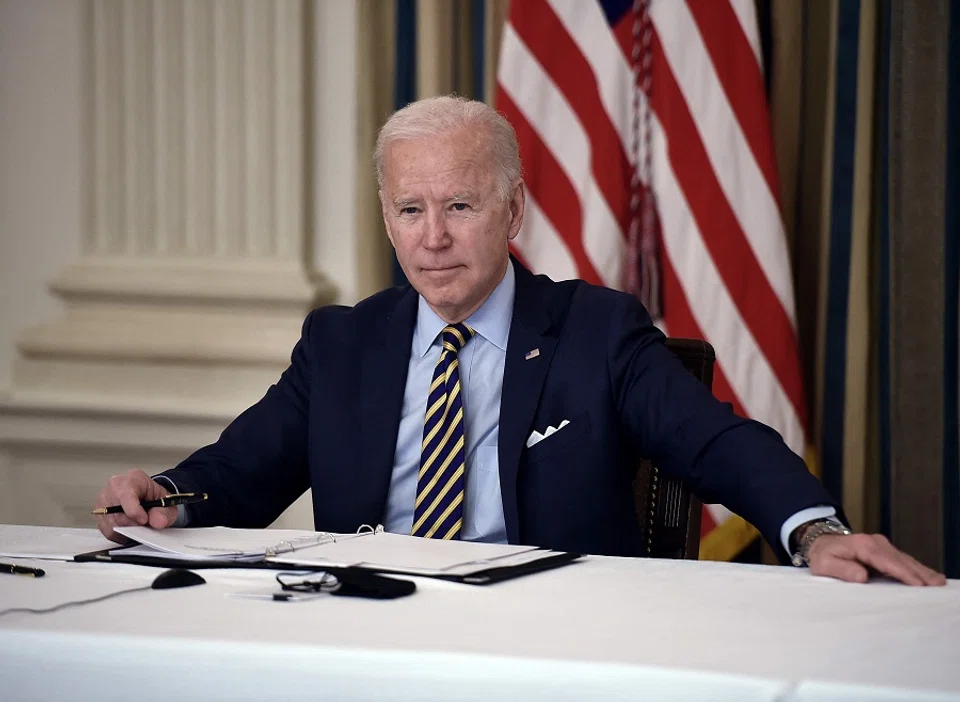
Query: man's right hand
[{"x": 128, "y": 490}]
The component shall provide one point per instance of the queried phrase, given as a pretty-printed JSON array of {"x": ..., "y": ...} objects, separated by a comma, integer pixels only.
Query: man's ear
[
  {"x": 386, "y": 220},
  {"x": 517, "y": 201}
]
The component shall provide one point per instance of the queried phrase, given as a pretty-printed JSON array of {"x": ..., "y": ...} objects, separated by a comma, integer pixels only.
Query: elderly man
[{"x": 482, "y": 402}]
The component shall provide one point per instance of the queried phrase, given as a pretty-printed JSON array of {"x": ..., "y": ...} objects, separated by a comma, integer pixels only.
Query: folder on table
[{"x": 369, "y": 549}]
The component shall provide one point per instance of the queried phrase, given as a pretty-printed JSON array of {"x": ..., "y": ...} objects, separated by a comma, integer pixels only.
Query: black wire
[{"x": 63, "y": 605}]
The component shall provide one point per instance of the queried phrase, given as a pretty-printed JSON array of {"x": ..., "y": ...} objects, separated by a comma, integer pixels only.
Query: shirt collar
[{"x": 491, "y": 321}]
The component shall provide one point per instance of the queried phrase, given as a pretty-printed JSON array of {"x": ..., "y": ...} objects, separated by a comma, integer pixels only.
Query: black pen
[
  {"x": 179, "y": 498},
  {"x": 21, "y": 570}
]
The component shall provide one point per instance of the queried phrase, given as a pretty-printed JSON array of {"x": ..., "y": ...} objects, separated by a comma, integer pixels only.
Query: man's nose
[{"x": 435, "y": 235}]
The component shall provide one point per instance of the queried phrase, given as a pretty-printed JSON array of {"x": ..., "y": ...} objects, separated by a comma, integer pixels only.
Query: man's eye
[
  {"x": 460, "y": 206},
  {"x": 408, "y": 210}
]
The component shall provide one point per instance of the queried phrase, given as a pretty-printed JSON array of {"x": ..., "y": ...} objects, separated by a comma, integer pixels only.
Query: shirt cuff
[
  {"x": 802, "y": 517},
  {"x": 181, "y": 520}
]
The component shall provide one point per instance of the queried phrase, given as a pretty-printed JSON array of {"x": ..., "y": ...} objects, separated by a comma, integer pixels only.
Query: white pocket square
[{"x": 536, "y": 437}]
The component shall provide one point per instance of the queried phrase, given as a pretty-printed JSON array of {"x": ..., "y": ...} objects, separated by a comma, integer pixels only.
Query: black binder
[{"x": 482, "y": 577}]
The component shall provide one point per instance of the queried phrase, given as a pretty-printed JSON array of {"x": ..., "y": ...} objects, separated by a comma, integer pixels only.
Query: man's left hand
[{"x": 853, "y": 557}]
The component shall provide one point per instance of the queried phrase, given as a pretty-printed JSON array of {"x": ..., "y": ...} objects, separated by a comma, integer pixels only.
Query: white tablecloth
[{"x": 606, "y": 628}]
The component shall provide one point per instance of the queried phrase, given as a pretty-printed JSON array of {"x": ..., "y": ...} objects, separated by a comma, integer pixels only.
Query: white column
[
  {"x": 194, "y": 274},
  {"x": 196, "y": 129},
  {"x": 195, "y": 190}
]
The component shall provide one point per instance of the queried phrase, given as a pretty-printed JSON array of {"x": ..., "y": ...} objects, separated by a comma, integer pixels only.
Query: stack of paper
[
  {"x": 216, "y": 543},
  {"x": 377, "y": 551},
  {"x": 412, "y": 555}
]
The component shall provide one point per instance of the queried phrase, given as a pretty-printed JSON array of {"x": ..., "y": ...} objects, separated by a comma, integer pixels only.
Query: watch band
[{"x": 814, "y": 530}]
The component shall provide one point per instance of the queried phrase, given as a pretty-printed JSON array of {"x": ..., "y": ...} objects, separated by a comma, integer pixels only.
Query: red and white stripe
[{"x": 566, "y": 84}]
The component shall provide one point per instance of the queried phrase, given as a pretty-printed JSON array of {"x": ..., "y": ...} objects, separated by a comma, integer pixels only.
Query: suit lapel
[
  {"x": 383, "y": 379},
  {"x": 523, "y": 379}
]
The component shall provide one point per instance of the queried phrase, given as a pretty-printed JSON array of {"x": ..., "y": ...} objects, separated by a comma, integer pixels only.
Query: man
[{"x": 485, "y": 403}]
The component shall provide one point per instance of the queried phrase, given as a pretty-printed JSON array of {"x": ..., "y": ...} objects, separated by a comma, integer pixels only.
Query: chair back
[{"x": 669, "y": 514}]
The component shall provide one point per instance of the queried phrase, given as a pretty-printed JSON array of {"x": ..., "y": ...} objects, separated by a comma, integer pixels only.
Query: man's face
[{"x": 446, "y": 219}]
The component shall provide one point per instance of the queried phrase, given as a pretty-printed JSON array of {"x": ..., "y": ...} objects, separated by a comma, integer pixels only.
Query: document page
[
  {"x": 411, "y": 554},
  {"x": 399, "y": 553},
  {"x": 219, "y": 542}
]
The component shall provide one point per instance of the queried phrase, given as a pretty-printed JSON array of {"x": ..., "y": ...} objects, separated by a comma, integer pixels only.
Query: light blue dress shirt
[{"x": 481, "y": 382}]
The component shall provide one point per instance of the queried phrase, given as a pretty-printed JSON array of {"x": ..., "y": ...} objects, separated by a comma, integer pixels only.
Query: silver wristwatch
[{"x": 813, "y": 531}]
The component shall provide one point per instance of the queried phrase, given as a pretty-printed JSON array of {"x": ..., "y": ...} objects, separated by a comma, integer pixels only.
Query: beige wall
[{"x": 39, "y": 160}]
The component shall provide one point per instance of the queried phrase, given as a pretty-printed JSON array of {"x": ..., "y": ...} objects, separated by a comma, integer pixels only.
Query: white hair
[{"x": 436, "y": 116}]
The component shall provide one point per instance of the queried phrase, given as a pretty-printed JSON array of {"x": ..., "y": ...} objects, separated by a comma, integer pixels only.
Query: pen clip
[{"x": 175, "y": 496}]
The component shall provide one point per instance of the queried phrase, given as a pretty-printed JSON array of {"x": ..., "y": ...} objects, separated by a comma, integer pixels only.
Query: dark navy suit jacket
[{"x": 331, "y": 423}]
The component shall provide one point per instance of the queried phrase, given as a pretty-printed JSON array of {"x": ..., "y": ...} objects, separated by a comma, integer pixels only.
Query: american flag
[{"x": 649, "y": 164}]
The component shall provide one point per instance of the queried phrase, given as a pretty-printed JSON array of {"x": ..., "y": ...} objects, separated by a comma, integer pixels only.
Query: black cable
[{"x": 63, "y": 605}]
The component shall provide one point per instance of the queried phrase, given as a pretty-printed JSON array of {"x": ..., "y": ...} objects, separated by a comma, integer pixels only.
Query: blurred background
[{"x": 182, "y": 180}]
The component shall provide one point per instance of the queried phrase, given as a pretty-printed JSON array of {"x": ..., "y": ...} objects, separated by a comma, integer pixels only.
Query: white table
[{"x": 606, "y": 628}]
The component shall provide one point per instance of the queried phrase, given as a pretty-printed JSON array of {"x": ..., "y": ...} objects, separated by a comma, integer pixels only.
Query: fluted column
[
  {"x": 196, "y": 217},
  {"x": 196, "y": 129}
]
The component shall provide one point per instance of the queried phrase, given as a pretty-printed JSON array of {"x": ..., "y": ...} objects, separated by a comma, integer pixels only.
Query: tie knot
[{"x": 457, "y": 336}]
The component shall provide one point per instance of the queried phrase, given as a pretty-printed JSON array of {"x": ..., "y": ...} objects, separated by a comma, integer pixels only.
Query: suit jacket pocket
[{"x": 577, "y": 430}]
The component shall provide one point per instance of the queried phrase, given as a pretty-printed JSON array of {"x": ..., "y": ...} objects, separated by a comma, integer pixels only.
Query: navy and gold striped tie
[{"x": 439, "y": 509}]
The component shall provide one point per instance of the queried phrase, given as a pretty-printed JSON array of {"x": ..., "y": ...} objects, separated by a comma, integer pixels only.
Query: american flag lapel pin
[{"x": 532, "y": 354}]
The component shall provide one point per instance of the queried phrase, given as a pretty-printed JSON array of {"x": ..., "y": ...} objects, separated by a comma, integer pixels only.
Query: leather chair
[{"x": 669, "y": 514}]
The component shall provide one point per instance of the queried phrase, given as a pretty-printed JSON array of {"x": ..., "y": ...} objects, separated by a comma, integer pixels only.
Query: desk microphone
[{"x": 177, "y": 577}]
